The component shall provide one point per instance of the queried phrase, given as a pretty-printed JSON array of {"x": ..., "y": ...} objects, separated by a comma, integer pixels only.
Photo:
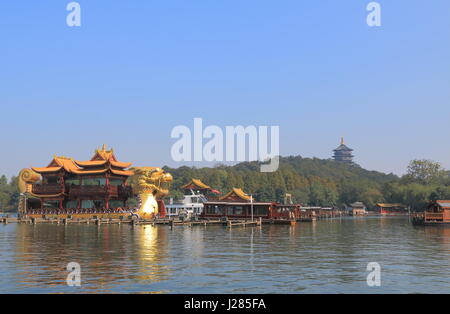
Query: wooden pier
[
  {"x": 134, "y": 221},
  {"x": 244, "y": 223}
]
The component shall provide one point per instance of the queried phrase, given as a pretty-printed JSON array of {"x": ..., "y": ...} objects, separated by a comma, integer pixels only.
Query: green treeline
[
  {"x": 9, "y": 194},
  {"x": 315, "y": 182},
  {"x": 319, "y": 182}
]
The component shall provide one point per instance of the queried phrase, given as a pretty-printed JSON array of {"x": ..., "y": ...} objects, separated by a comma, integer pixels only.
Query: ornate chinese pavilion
[
  {"x": 343, "y": 153},
  {"x": 68, "y": 185}
]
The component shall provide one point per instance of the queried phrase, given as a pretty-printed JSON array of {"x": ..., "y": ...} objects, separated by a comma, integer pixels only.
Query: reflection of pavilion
[
  {"x": 112, "y": 257},
  {"x": 439, "y": 234}
]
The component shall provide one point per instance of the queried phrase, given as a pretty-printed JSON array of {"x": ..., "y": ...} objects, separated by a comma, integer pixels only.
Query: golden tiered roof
[
  {"x": 101, "y": 157},
  {"x": 57, "y": 164},
  {"x": 236, "y": 193},
  {"x": 196, "y": 183},
  {"x": 99, "y": 163},
  {"x": 102, "y": 162}
]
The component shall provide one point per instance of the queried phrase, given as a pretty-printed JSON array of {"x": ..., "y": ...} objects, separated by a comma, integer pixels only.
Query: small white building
[{"x": 358, "y": 209}]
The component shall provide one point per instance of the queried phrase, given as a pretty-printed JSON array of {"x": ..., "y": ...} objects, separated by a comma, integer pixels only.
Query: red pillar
[
  {"x": 107, "y": 189},
  {"x": 161, "y": 209},
  {"x": 63, "y": 183}
]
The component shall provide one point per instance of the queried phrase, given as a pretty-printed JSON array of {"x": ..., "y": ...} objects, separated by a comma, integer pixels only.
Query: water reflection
[
  {"x": 109, "y": 255},
  {"x": 328, "y": 256},
  {"x": 151, "y": 251},
  {"x": 438, "y": 234}
]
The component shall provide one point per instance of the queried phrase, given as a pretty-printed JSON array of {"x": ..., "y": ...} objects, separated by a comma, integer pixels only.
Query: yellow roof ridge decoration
[
  {"x": 91, "y": 163},
  {"x": 104, "y": 154},
  {"x": 197, "y": 182},
  {"x": 45, "y": 195},
  {"x": 238, "y": 192},
  {"x": 64, "y": 157},
  {"x": 389, "y": 205},
  {"x": 27, "y": 177}
]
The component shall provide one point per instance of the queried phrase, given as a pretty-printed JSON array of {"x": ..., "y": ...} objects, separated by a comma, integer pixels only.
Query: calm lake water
[{"x": 328, "y": 256}]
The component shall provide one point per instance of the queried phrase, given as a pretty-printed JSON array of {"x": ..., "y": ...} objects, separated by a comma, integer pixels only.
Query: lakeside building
[
  {"x": 96, "y": 188},
  {"x": 436, "y": 213},
  {"x": 238, "y": 204},
  {"x": 343, "y": 153},
  {"x": 70, "y": 185},
  {"x": 358, "y": 209}
]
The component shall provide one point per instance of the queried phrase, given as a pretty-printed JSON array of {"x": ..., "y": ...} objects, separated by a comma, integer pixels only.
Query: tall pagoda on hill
[{"x": 343, "y": 153}]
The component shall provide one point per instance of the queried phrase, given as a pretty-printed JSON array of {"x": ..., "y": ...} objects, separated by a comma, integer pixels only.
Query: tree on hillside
[
  {"x": 425, "y": 172},
  {"x": 9, "y": 194}
]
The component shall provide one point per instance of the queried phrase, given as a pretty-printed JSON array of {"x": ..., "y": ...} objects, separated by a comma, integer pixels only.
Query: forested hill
[{"x": 311, "y": 181}]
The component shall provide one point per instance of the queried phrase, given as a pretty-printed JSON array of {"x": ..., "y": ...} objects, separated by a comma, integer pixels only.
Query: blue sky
[{"x": 136, "y": 69}]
